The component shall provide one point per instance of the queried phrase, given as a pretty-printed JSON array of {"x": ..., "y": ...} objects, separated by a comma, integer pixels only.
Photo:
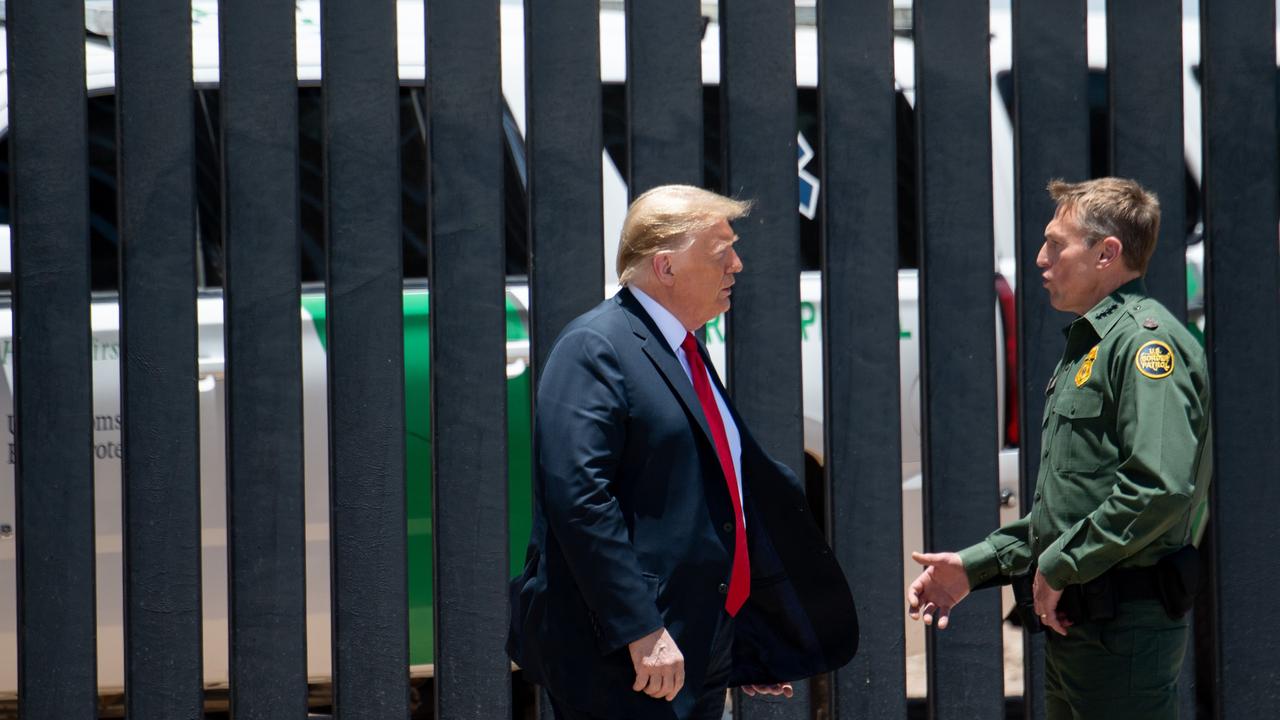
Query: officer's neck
[{"x": 1107, "y": 284}]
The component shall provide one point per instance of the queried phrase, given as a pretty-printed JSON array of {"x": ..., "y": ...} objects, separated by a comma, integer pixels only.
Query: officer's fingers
[
  {"x": 944, "y": 619},
  {"x": 1051, "y": 621},
  {"x": 749, "y": 690},
  {"x": 927, "y": 613},
  {"x": 787, "y": 690},
  {"x": 926, "y": 559}
]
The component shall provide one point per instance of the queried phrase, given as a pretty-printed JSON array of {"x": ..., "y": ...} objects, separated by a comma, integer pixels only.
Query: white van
[{"x": 100, "y": 78}]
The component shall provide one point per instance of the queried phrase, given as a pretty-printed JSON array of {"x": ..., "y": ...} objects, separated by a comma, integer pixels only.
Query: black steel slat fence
[
  {"x": 860, "y": 121},
  {"x": 957, "y": 325},
  {"x": 265, "y": 532},
  {"x": 57, "y": 658},
  {"x": 758, "y": 127},
  {"x": 1238, "y": 47},
  {"x": 1144, "y": 88},
  {"x": 1051, "y": 139},
  {"x": 364, "y": 327},
  {"x": 468, "y": 344},
  {"x": 160, "y": 410},
  {"x": 860, "y": 328},
  {"x": 566, "y": 259},
  {"x": 664, "y": 94}
]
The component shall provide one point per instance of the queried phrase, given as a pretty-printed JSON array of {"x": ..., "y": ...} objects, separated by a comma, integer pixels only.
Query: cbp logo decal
[
  {"x": 1086, "y": 367},
  {"x": 1155, "y": 360}
]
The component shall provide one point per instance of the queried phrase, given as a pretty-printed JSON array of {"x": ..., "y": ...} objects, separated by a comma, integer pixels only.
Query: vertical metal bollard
[
  {"x": 863, "y": 456},
  {"x": 265, "y": 533},
  {"x": 160, "y": 410},
  {"x": 1144, "y": 84},
  {"x": 758, "y": 115},
  {"x": 365, "y": 328},
  {"x": 664, "y": 94},
  {"x": 1051, "y": 140},
  {"x": 1238, "y": 70},
  {"x": 566, "y": 259},
  {"x": 53, "y": 403},
  {"x": 468, "y": 379},
  {"x": 957, "y": 303}
]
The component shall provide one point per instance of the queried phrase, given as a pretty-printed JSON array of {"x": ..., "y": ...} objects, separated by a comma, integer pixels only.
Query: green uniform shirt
[{"x": 1127, "y": 452}]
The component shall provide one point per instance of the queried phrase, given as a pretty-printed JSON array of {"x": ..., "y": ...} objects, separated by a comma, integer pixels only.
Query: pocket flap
[{"x": 1079, "y": 404}]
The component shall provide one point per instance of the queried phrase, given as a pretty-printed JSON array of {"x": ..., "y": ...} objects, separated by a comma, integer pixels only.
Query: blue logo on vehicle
[{"x": 808, "y": 182}]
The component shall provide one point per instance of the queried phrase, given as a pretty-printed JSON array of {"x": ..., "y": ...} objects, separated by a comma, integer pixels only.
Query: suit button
[
  {"x": 727, "y": 527},
  {"x": 724, "y": 588}
]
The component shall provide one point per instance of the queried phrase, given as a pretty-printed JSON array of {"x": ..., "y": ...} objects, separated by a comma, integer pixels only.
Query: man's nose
[
  {"x": 735, "y": 262},
  {"x": 1042, "y": 257}
]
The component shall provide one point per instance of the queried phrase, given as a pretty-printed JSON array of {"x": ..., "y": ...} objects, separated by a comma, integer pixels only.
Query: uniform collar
[{"x": 1104, "y": 316}]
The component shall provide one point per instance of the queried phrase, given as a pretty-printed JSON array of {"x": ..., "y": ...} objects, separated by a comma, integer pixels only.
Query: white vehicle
[{"x": 100, "y": 78}]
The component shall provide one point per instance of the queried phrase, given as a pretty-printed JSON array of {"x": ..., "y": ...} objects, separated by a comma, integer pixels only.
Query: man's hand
[
  {"x": 659, "y": 665},
  {"x": 774, "y": 689},
  {"x": 941, "y": 586},
  {"x": 1046, "y": 604}
]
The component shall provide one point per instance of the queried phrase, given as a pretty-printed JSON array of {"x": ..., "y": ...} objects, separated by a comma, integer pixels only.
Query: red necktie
[{"x": 740, "y": 580}]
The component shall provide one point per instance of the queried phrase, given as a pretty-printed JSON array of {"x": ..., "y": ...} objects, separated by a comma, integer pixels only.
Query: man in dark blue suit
[{"x": 670, "y": 557}]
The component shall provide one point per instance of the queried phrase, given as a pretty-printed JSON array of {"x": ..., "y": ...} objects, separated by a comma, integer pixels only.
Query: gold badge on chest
[{"x": 1086, "y": 367}]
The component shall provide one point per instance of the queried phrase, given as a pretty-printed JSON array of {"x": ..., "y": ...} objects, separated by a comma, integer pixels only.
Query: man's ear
[
  {"x": 1110, "y": 250},
  {"x": 662, "y": 269}
]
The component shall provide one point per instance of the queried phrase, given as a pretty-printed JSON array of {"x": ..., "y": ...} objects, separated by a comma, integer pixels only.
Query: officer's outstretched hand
[
  {"x": 941, "y": 586},
  {"x": 659, "y": 665}
]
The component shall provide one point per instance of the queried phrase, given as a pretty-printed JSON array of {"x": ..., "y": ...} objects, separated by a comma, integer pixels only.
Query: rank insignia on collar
[
  {"x": 1086, "y": 367},
  {"x": 1154, "y": 359}
]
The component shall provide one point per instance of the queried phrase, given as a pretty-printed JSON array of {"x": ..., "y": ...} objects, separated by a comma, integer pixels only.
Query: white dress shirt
[{"x": 673, "y": 331}]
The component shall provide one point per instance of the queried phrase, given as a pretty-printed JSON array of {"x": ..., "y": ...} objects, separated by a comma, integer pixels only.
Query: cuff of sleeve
[
  {"x": 1055, "y": 567},
  {"x": 980, "y": 563},
  {"x": 618, "y": 633}
]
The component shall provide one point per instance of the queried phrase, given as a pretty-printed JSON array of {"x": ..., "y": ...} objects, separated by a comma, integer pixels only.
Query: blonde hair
[
  {"x": 1115, "y": 207},
  {"x": 666, "y": 219}
]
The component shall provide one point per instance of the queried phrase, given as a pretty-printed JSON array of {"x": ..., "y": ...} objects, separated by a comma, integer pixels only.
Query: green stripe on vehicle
[{"x": 417, "y": 345}]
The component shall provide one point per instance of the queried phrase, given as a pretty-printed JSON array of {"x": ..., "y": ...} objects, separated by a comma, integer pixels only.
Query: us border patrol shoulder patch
[{"x": 1154, "y": 359}]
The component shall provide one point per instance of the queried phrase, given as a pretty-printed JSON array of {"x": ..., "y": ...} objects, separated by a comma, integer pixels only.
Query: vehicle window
[
  {"x": 808, "y": 126},
  {"x": 104, "y": 238},
  {"x": 413, "y": 187},
  {"x": 1100, "y": 138}
]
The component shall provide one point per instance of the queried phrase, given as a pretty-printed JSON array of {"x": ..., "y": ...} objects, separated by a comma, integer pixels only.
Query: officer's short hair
[
  {"x": 1116, "y": 207},
  {"x": 666, "y": 219}
]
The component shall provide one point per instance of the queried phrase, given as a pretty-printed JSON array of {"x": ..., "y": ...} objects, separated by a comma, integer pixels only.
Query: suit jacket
[{"x": 633, "y": 531}]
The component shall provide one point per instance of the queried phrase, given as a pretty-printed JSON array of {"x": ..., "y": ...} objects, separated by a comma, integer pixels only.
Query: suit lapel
[{"x": 663, "y": 358}]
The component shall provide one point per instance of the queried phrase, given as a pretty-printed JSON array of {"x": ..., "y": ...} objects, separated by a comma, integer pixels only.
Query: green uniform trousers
[{"x": 1125, "y": 669}]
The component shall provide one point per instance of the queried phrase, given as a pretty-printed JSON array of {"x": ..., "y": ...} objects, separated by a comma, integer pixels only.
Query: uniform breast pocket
[{"x": 1080, "y": 442}]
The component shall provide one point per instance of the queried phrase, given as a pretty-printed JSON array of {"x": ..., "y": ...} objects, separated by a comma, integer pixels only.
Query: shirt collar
[
  {"x": 673, "y": 331},
  {"x": 1104, "y": 316}
]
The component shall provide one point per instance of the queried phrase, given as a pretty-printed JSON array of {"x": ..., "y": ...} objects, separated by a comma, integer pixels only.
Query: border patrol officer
[{"x": 1107, "y": 557}]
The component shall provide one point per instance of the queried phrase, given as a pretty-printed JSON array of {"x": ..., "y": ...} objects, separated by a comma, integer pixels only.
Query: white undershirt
[{"x": 673, "y": 331}]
